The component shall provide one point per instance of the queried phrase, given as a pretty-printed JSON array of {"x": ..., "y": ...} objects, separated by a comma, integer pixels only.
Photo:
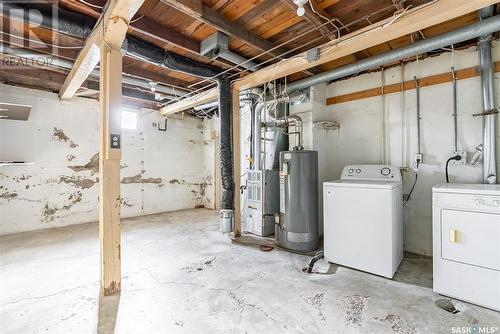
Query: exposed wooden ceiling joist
[
  {"x": 389, "y": 29},
  {"x": 314, "y": 18},
  {"x": 259, "y": 10},
  {"x": 198, "y": 10},
  {"x": 146, "y": 27},
  {"x": 190, "y": 102},
  {"x": 381, "y": 32},
  {"x": 110, "y": 29}
]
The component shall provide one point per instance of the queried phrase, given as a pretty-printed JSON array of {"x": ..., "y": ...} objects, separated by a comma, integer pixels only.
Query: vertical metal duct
[
  {"x": 489, "y": 111},
  {"x": 257, "y": 133}
]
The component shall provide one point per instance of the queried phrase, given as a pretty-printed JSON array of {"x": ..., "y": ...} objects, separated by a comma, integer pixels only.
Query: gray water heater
[{"x": 297, "y": 227}]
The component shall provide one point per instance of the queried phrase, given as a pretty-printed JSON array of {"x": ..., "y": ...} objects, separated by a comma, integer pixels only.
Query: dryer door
[{"x": 471, "y": 237}]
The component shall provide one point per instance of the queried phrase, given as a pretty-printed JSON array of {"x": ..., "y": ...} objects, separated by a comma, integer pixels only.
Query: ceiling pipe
[
  {"x": 44, "y": 60},
  {"x": 472, "y": 31},
  {"x": 488, "y": 94},
  {"x": 236, "y": 59},
  {"x": 80, "y": 26}
]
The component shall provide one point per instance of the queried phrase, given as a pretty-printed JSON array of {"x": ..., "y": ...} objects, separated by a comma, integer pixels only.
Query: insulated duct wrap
[
  {"x": 69, "y": 23},
  {"x": 226, "y": 152}
]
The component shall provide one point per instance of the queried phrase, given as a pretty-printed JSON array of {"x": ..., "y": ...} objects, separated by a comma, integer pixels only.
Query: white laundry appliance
[
  {"x": 363, "y": 219},
  {"x": 466, "y": 242}
]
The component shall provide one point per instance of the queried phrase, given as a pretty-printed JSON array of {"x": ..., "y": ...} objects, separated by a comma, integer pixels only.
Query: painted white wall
[
  {"x": 161, "y": 171},
  {"x": 210, "y": 159},
  {"x": 360, "y": 138}
]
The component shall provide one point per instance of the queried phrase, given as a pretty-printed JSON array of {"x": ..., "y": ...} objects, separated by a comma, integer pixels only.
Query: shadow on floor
[
  {"x": 416, "y": 270},
  {"x": 108, "y": 310}
]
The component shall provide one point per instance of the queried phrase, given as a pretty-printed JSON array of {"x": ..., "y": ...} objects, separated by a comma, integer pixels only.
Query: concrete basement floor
[{"x": 180, "y": 275}]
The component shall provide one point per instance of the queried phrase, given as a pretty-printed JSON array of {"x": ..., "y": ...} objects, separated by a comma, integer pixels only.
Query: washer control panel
[{"x": 371, "y": 173}]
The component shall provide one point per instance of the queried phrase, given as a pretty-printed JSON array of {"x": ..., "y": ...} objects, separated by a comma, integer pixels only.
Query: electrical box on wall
[{"x": 463, "y": 159}]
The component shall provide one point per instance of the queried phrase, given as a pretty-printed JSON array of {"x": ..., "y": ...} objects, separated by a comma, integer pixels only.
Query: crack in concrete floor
[{"x": 240, "y": 289}]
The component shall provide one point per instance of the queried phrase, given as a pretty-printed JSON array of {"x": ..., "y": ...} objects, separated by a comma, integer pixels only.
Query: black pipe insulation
[
  {"x": 81, "y": 26},
  {"x": 226, "y": 148}
]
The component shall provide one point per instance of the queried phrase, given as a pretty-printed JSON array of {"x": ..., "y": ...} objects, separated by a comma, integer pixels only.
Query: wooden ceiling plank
[
  {"x": 145, "y": 26},
  {"x": 201, "y": 12},
  {"x": 413, "y": 20},
  {"x": 327, "y": 3},
  {"x": 259, "y": 10},
  {"x": 110, "y": 29},
  {"x": 313, "y": 18}
]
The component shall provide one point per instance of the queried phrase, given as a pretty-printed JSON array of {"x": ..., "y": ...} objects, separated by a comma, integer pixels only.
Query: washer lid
[
  {"x": 362, "y": 184},
  {"x": 462, "y": 188}
]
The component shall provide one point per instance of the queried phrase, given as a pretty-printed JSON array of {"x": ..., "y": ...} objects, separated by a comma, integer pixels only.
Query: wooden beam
[
  {"x": 198, "y": 10},
  {"x": 256, "y": 12},
  {"x": 327, "y": 3},
  {"x": 165, "y": 35},
  {"x": 432, "y": 80},
  {"x": 84, "y": 64},
  {"x": 313, "y": 18},
  {"x": 109, "y": 169},
  {"x": 111, "y": 29},
  {"x": 193, "y": 8},
  {"x": 235, "y": 110},
  {"x": 190, "y": 102},
  {"x": 380, "y": 32},
  {"x": 144, "y": 27}
]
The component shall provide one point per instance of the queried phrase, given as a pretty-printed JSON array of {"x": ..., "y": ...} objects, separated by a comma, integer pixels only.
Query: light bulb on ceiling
[
  {"x": 300, "y": 6},
  {"x": 153, "y": 86},
  {"x": 301, "y": 11}
]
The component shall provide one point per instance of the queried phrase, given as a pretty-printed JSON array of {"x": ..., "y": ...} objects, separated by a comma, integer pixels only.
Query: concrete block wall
[{"x": 161, "y": 171}]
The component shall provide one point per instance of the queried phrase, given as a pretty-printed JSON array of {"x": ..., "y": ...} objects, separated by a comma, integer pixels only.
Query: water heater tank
[{"x": 298, "y": 224}]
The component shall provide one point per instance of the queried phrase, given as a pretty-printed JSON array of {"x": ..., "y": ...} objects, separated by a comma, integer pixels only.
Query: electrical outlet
[
  {"x": 419, "y": 158},
  {"x": 462, "y": 161}
]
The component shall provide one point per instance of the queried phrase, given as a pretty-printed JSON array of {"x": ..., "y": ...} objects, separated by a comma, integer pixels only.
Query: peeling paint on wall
[
  {"x": 140, "y": 179},
  {"x": 126, "y": 203},
  {"x": 8, "y": 195},
  {"x": 92, "y": 165},
  {"x": 61, "y": 136},
  {"x": 159, "y": 171},
  {"x": 49, "y": 212},
  {"x": 78, "y": 181}
]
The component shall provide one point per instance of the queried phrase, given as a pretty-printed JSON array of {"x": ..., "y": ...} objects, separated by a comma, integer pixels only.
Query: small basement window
[{"x": 129, "y": 120}]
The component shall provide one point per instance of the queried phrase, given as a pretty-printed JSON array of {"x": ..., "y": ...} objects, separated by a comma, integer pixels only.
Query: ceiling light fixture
[{"x": 300, "y": 6}]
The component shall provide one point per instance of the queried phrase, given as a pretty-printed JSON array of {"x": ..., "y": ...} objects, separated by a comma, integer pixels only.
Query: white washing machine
[
  {"x": 363, "y": 219},
  {"x": 466, "y": 242}
]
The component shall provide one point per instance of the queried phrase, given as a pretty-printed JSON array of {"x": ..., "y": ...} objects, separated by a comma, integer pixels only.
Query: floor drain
[{"x": 447, "y": 305}]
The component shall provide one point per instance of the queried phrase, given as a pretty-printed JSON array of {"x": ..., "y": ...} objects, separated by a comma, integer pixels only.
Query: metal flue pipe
[
  {"x": 488, "y": 94},
  {"x": 475, "y": 30}
]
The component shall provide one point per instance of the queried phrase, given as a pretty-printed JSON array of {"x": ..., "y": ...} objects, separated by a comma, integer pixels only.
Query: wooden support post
[
  {"x": 235, "y": 100},
  {"x": 109, "y": 168}
]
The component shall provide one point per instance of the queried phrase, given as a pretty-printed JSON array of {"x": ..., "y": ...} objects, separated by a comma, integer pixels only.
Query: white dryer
[
  {"x": 363, "y": 219},
  {"x": 466, "y": 242}
]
